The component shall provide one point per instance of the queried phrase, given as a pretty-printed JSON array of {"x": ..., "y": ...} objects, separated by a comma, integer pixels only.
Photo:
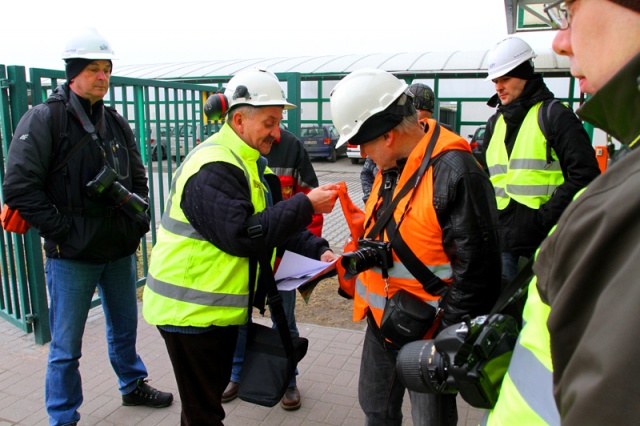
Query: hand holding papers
[{"x": 303, "y": 273}]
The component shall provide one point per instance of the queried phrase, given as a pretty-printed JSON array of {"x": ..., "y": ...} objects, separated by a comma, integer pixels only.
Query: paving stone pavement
[{"x": 327, "y": 381}]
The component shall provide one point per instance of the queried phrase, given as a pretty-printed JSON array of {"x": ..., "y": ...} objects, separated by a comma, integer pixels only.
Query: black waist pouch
[
  {"x": 406, "y": 318},
  {"x": 267, "y": 370}
]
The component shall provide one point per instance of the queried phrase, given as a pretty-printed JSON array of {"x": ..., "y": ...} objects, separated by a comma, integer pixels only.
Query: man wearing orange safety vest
[{"x": 441, "y": 228}]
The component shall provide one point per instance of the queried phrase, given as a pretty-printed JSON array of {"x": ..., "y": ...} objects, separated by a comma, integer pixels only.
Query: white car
[{"x": 353, "y": 152}]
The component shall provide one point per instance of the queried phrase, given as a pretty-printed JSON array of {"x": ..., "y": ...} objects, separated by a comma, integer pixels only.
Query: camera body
[
  {"x": 370, "y": 253},
  {"x": 470, "y": 357},
  {"x": 106, "y": 184}
]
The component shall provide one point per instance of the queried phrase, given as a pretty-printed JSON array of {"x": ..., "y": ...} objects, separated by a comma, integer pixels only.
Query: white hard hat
[
  {"x": 88, "y": 44},
  {"x": 506, "y": 55},
  {"x": 257, "y": 87},
  {"x": 359, "y": 96}
]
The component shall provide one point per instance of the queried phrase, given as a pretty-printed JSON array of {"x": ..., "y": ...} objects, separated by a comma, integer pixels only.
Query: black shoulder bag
[{"x": 272, "y": 354}]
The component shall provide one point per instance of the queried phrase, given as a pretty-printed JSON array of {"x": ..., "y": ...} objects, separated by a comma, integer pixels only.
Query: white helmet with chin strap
[
  {"x": 256, "y": 87},
  {"x": 506, "y": 55},
  {"x": 88, "y": 44},
  {"x": 359, "y": 96}
]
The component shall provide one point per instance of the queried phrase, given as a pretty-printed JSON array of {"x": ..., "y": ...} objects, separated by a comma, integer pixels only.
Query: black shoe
[
  {"x": 144, "y": 394},
  {"x": 231, "y": 392},
  {"x": 291, "y": 399}
]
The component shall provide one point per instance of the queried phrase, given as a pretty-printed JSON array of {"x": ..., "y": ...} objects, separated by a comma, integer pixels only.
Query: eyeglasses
[{"x": 559, "y": 16}]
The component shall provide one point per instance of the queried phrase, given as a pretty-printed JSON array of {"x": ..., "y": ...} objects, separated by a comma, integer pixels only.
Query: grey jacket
[{"x": 588, "y": 273}]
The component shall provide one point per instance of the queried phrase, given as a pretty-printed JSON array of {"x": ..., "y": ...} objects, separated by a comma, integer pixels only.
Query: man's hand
[
  {"x": 323, "y": 198},
  {"x": 328, "y": 256}
]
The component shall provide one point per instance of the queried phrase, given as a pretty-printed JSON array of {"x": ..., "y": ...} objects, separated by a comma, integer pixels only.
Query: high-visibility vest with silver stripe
[
  {"x": 420, "y": 230},
  {"x": 526, "y": 176},
  {"x": 526, "y": 395},
  {"x": 191, "y": 282}
]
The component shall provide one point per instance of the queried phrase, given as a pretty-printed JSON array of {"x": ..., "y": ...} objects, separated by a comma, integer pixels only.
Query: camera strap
[
  {"x": 412, "y": 183},
  {"x": 515, "y": 289},
  {"x": 278, "y": 315},
  {"x": 431, "y": 283}
]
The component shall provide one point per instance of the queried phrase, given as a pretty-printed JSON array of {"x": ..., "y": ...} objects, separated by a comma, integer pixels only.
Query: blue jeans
[
  {"x": 289, "y": 305},
  {"x": 380, "y": 392},
  {"x": 509, "y": 265},
  {"x": 71, "y": 286}
]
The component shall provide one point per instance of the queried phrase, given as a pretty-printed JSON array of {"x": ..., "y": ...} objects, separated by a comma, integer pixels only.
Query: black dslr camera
[
  {"x": 370, "y": 253},
  {"x": 471, "y": 357},
  {"x": 105, "y": 183}
]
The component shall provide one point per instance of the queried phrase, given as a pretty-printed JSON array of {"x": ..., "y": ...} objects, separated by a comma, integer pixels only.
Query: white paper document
[{"x": 295, "y": 270}]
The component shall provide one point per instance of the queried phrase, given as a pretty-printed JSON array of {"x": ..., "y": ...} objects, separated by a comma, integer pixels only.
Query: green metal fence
[
  {"x": 168, "y": 122},
  {"x": 162, "y": 114}
]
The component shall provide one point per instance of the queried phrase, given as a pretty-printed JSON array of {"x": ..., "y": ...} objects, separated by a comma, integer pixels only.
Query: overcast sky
[{"x": 34, "y": 32}]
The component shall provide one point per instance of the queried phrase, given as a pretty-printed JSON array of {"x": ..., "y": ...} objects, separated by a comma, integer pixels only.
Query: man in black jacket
[
  {"x": 439, "y": 240},
  {"x": 535, "y": 172},
  {"x": 90, "y": 234}
]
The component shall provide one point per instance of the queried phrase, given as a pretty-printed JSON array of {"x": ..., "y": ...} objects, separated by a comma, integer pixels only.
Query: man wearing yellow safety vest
[
  {"x": 197, "y": 289},
  {"x": 582, "y": 310},
  {"x": 538, "y": 154},
  {"x": 446, "y": 222}
]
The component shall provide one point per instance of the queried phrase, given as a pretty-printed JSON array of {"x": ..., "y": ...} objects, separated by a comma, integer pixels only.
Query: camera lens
[
  {"x": 421, "y": 368},
  {"x": 359, "y": 260}
]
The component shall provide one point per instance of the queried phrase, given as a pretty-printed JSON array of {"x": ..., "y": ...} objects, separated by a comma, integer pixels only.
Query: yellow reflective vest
[
  {"x": 526, "y": 395},
  {"x": 190, "y": 281},
  {"x": 525, "y": 176}
]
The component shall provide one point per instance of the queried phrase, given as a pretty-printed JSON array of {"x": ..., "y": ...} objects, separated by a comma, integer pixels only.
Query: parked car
[
  {"x": 320, "y": 141},
  {"x": 477, "y": 144},
  {"x": 353, "y": 152},
  {"x": 188, "y": 132},
  {"x": 165, "y": 132}
]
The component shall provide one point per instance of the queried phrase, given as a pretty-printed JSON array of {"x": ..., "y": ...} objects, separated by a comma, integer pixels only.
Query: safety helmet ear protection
[
  {"x": 359, "y": 96},
  {"x": 88, "y": 44},
  {"x": 506, "y": 55},
  {"x": 422, "y": 96},
  {"x": 255, "y": 87}
]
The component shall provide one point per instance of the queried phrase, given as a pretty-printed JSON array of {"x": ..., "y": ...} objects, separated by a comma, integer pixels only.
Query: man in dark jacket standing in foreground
[
  {"x": 535, "y": 172},
  {"x": 90, "y": 234},
  {"x": 198, "y": 286},
  {"x": 583, "y": 304},
  {"x": 588, "y": 268}
]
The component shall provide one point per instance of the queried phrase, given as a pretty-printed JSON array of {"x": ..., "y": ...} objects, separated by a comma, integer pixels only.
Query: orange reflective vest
[{"x": 420, "y": 229}]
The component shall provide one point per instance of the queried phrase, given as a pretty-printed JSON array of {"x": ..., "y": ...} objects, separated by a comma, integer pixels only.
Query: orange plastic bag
[
  {"x": 12, "y": 221},
  {"x": 355, "y": 220}
]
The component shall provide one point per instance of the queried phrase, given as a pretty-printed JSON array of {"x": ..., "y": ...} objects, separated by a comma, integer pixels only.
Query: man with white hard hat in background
[
  {"x": 90, "y": 207},
  {"x": 537, "y": 152}
]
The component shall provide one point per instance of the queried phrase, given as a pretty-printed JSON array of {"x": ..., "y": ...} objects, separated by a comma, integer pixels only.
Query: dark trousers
[
  {"x": 202, "y": 367},
  {"x": 381, "y": 394}
]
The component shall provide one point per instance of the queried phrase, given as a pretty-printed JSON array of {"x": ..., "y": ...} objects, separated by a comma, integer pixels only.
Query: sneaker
[{"x": 144, "y": 394}]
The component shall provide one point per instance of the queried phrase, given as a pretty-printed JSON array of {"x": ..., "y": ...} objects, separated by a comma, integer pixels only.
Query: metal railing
[{"x": 150, "y": 106}]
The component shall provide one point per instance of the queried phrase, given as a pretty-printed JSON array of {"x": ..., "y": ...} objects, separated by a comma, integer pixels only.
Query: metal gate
[{"x": 168, "y": 122}]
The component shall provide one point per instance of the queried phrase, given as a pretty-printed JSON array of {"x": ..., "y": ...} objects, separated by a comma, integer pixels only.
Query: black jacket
[
  {"x": 74, "y": 225},
  {"x": 522, "y": 229},
  {"x": 217, "y": 203}
]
